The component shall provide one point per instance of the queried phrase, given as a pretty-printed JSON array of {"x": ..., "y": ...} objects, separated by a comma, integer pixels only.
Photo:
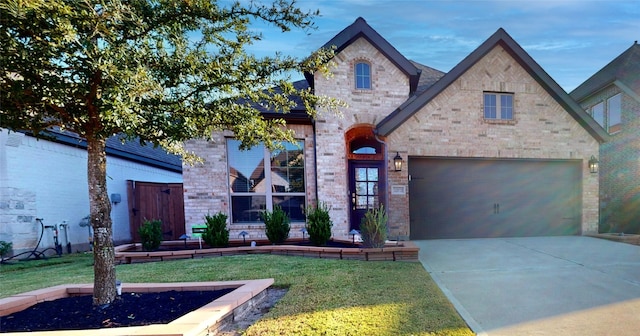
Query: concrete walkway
[{"x": 539, "y": 286}]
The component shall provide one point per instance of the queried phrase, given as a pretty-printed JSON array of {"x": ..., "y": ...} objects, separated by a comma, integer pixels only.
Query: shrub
[
  {"x": 373, "y": 228},
  {"x": 216, "y": 234},
  {"x": 5, "y": 247},
  {"x": 276, "y": 225},
  {"x": 319, "y": 224},
  {"x": 151, "y": 234}
]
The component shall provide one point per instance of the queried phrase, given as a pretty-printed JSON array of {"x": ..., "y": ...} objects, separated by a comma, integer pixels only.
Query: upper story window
[
  {"x": 608, "y": 115},
  {"x": 597, "y": 112},
  {"x": 363, "y": 76},
  {"x": 498, "y": 106},
  {"x": 614, "y": 113}
]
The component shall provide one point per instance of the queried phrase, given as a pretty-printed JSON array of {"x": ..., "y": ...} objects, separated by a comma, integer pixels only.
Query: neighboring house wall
[
  {"x": 390, "y": 88},
  {"x": 45, "y": 179},
  {"x": 452, "y": 125},
  {"x": 206, "y": 184},
  {"x": 619, "y": 165}
]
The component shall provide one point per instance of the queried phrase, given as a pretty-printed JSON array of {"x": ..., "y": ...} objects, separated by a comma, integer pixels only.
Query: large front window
[{"x": 253, "y": 190}]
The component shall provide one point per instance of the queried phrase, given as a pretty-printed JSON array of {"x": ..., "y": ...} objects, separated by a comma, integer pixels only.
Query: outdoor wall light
[
  {"x": 593, "y": 165},
  {"x": 397, "y": 162}
]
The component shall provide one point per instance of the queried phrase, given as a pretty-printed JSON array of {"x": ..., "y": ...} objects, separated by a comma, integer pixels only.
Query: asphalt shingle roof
[
  {"x": 129, "y": 150},
  {"x": 624, "y": 68}
]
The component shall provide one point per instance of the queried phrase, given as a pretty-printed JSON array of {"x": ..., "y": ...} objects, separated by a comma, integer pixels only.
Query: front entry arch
[{"x": 367, "y": 173}]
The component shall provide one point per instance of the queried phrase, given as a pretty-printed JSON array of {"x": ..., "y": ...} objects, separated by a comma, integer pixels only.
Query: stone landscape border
[
  {"x": 205, "y": 320},
  {"x": 400, "y": 251}
]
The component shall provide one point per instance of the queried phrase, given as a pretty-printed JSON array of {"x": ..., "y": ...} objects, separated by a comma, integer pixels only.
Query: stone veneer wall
[
  {"x": 452, "y": 125},
  {"x": 390, "y": 87},
  {"x": 206, "y": 185},
  {"x": 619, "y": 167}
]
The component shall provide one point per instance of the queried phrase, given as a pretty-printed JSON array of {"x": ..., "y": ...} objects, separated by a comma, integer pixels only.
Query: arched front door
[{"x": 367, "y": 173}]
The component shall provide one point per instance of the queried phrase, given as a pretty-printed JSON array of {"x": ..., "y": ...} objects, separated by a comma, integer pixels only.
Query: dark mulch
[{"x": 130, "y": 309}]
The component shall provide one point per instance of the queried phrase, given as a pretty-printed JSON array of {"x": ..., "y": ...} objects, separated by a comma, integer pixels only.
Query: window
[
  {"x": 498, "y": 106},
  {"x": 614, "y": 113},
  {"x": 254, "y": 191},
  {"x": 366, "y": 196},
  {"x": 609, "y": 116},
  {"x": 597, "y": 112},
  {"x": 363, "y": 76}
]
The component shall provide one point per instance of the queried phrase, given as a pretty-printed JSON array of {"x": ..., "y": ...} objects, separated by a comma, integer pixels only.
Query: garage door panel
[{"x": 467, "y": 198}]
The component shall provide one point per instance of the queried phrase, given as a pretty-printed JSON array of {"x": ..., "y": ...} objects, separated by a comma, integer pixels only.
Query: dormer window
[{"x": 363, "y": 76}]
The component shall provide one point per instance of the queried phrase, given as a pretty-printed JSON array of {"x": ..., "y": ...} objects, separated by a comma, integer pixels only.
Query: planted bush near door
[
  {"x": 151, "y": 234},
  {"x": 216, "y": 234},
  {"x": 373, "y": 228},
  {"x": 319, "y": 224},
  {"x": 276, "y": 225}
]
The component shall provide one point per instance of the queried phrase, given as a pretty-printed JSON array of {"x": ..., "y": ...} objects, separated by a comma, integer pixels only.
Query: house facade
[
  {"x": 612, "y": 97},
  {"x": 493, "y": 148},
  {"x": 48, "y": 179}
]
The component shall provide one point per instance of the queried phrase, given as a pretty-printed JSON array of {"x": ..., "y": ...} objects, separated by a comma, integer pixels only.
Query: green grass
[{"x": 325, "y": 297}]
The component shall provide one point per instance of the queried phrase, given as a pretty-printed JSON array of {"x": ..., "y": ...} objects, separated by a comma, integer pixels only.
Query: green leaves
[{"x": 163, "y": 71}]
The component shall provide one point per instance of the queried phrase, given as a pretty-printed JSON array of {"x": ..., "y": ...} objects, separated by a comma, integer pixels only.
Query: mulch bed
[{"x": 130, "y": 309}]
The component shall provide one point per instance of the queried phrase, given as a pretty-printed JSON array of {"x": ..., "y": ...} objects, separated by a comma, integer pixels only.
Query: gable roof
[
  {"x": 625, "y": 68},
  {"x": 360, "y": 28},
  {"x": 500, "y": 37}
]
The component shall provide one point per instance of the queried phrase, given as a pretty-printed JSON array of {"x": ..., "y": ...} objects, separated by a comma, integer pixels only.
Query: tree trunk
[{"x": 104, "y": 269}]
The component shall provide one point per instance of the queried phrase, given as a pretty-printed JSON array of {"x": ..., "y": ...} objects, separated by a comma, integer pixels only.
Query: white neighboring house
[{"x": 48, "y": 179}]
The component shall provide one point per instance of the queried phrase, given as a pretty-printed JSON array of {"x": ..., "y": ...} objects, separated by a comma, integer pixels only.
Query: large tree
[{"x": 159, "y": 71}]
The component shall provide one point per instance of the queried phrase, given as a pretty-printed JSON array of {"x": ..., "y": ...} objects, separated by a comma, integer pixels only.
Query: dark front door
[{"x": 366, "y": 188}]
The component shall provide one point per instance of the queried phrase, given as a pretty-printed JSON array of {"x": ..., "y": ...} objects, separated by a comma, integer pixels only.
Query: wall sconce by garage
[
  {"x": 593, "y": 164},
  {"x": 397, "y": 162}
]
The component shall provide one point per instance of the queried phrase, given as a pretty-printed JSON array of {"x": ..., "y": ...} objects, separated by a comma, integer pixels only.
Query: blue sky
[{"x": 570, "y": 39}]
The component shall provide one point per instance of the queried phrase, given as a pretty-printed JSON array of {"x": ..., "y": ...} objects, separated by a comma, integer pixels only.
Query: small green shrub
[
  {"x": 373, "y": 228},
  {"x": 151, "y": 234},
  {"x": 5, "y": 247},
  {"x": 276, "y": 225},
  {"x": 319, "y": 224},
  {"x": 216, "y": 233}
]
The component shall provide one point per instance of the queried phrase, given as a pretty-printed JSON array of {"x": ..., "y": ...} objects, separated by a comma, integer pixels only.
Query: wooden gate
[{"x": 163, "y": 201}]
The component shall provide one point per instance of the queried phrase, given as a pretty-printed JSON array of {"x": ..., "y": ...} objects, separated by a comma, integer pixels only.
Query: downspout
[{"x": 315, "y": 158}]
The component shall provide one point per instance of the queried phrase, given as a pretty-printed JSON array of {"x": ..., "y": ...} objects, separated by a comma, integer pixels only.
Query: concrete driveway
[{"x": 539, "y": 286}]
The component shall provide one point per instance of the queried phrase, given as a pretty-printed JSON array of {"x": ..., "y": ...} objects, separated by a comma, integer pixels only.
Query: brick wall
[
  {"x": 206, "y": 185},
  {"x": 452, "y": 125},
  {"x": 620, "y": 167},
  {"x": 390, "y": 87}
]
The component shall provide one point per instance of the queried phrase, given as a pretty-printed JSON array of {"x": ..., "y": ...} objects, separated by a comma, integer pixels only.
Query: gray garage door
[{"x": 472, "y": 198}]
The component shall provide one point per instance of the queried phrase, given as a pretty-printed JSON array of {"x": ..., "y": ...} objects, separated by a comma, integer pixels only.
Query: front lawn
[{"x": 326, "y": 297}]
